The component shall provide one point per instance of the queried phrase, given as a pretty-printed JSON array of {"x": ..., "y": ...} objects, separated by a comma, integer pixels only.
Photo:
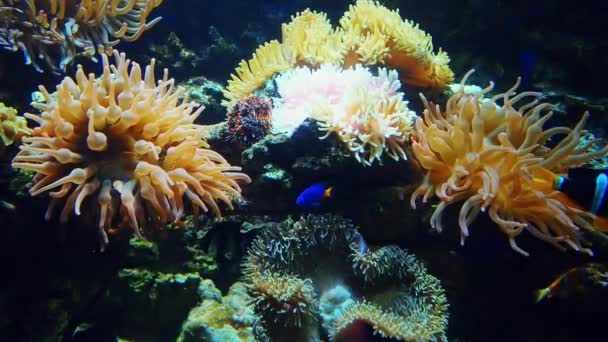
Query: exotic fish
[
  {"x": 314, "y": 195},
  {"x": 588, "y": 188},
  {"x": 576, "y": 279}
]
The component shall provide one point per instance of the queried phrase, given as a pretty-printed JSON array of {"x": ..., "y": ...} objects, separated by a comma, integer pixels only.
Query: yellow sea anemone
[
  {"x": 57, "y": 31},
  {"x": 124, "y": 149},
  {"x": 12, "y": 126},
  {"x": 267, "y": 60},
  {"x": 369, "y": 34},
  {"x": 373, "y": 34},
  {"x": 494, "y": 158},
  {"x": 310, "y": 38}
]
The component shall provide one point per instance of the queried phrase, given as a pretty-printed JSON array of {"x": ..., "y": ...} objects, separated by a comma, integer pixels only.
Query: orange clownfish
[{"x": 588, "y": 188}]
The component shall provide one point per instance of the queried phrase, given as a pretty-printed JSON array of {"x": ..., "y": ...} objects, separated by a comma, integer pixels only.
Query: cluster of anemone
[
  {"x": 122, "y": 149},
  {"x": 12, "y": 126},
  {"x": 369, "y": 34},
  {"x": 52, "y": 33},
  {"x": 283, "y": 299},
  {"x": 298, "y": 261},
  {"x": 493, "y": 156},
  {"x": 249, "y": 120},
  {"x": 367, "y": 112},
  {"x": 373, "y": 34}
]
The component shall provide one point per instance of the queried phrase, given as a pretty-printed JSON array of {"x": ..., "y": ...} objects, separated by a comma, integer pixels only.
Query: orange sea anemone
[
  {"x": 57, "y": 31},
  {"x": 494, "y": 158},
  {"x": 124, "y": 149}
]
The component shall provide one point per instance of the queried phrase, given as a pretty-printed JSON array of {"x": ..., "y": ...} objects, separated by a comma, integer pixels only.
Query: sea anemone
[
  {"x": 249, "y": 120},
  {"x": 373, "y": 34},
  {"x": 12, "y": 126},
  {"x": 123, "y": 149},
  {"x": 494, "y": 157},
  {"x": 369, "y": 34},
  {"x": 283, "y": 299},
  {"x": 267, "y": 60},
  {"x": 367, "y": 112},
  {"x": 322, "y": 251},
  {"x": 57, "y": 31},
  {"x": 312, "y": 40}
]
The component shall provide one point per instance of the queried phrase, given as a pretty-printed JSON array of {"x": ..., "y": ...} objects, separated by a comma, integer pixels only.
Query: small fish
[
  {"x": 313, "y": 196},
  {"x": 7, "y": 205},
  {"x": 575, "y": 279},
  {"x": 363, "y": 248},
  {"x": 588, "y": 188}
]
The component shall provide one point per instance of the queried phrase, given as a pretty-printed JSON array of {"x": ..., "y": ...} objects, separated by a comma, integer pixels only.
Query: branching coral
[
  {"x": 122, "y": 148},
  {"x": 57, "y": 31},
  {"x": 495, "y": 158},
  {"x": 367, "y": 112},
  {"x": 373, "y": 34},
  {"x": 369, "y": 34},
  {"x": 249, "y": 120},
  {"x": 327, "y": 250},
  {"x": 12, "y": 126}
]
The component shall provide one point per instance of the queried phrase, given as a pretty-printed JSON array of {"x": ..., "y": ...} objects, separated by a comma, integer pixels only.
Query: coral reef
[
  {"x": 176, "y": 52},
  {"x": 367, "y": 112},
  {"x": 173, "y": 54},
  {"x": 57, "y": 31},
  {"x": 594, "y": 144},
  {"x": 12, "y": 126},
  {"x": 292, "y": 261},
  {"x": 209, "y": 94},
  {"x": 146, "y": 297},
  {"x": 369, "y": 34},
  {"x": 249, "y": 120},
  {"x": 496, "y": 159},
  {"x": 217, "y": 318},
  {"x": 123, "y": 135}
]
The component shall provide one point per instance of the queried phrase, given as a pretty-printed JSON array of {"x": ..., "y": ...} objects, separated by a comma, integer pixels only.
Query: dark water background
[{"x": 556, "y": 45}]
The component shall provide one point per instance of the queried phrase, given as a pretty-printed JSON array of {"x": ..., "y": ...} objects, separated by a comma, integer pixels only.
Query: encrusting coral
[
  {"x": 495, "y": 158},
  {"x": 123, "y": 149},
  {"x": 292, "y": 262},
  {"x": 57, "y": 31},
  {"x": 12, "y": 126},
  {"x": 369, "y": 34},
  {"x": 249, "y": 120},
  {"x": 367, "y": 112}
]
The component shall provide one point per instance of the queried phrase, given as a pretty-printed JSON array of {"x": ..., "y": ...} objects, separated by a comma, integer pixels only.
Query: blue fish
[
  {"x": 362, "y": 244},
  {"x": 313, "y": 196}
]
